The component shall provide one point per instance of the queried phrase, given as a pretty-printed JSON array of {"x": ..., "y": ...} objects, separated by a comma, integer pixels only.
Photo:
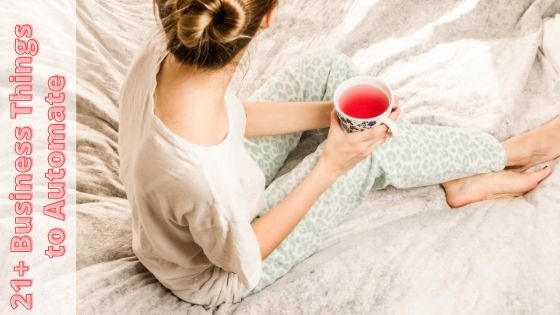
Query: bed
[{"x": 487, "y": 64}]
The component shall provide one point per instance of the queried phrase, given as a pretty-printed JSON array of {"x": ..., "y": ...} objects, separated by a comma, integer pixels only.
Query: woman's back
[{"x": 191, "y": 204}]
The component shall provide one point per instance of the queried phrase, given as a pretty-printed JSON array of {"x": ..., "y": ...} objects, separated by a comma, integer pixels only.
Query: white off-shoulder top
[{"x": 191, "y": 205}]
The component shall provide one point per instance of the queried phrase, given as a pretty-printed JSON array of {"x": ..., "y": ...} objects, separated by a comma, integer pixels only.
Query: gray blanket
[{"x": 470, "y": 63}]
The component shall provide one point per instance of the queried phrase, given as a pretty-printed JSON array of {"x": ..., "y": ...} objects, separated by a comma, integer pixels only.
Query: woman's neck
[
  {"x": 208, "y": 86},
  {"x": 191, "y": 102}
]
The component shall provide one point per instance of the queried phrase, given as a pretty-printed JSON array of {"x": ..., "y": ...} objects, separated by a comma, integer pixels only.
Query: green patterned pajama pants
[{"x": 421, "y": 155}]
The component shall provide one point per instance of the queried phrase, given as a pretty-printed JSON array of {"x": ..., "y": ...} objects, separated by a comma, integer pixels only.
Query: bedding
[{"x": 486, "y": 64}]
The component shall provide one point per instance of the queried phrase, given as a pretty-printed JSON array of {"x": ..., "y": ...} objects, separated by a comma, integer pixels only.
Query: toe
[
  {"x": 539, "y": 176},
  {"x": 530, "y": 181}
]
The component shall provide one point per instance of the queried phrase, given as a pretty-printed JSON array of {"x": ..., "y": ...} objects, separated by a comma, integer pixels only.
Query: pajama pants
[{"x": 421, "y": 155}]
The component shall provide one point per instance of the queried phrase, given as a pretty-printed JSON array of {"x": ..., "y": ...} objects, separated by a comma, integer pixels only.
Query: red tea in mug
[{"x": 363, "y": 101}]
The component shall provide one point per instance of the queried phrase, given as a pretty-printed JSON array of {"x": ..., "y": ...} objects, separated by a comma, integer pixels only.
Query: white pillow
[{"x": 551, "y": 41}]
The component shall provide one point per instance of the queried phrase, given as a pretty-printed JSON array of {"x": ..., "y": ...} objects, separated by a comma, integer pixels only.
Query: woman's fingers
[
  {"x": 396, "y": 111},
  {"x": 371, "y": 134},
  {"x": 394, "y": 115},
  {"x": 397, "y": 103},
  {"x": 369, "y": 147},
  {"x": 335, "y": 123}
]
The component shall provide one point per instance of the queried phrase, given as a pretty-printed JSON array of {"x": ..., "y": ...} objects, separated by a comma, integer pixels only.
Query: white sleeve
[
  {"x": 225, "y": 234},
  {"x": 233, "y": 247}
]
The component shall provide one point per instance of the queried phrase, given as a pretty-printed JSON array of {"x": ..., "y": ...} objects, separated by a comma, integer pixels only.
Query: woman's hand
[{"x": 343, "y": 150}]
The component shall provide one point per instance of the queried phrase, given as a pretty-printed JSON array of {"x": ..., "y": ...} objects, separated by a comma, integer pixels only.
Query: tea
[{"x": 364, "y": 101}]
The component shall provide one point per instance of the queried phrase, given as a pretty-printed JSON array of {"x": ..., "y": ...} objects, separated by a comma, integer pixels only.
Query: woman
[{"x": 195, "y": 161}]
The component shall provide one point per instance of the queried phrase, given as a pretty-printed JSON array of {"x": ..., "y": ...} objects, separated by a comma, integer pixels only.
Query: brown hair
[{"x": 210, "y": 33}]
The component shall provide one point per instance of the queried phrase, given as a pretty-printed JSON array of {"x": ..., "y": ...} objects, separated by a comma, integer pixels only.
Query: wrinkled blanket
[{"x": 488, "y": 64}]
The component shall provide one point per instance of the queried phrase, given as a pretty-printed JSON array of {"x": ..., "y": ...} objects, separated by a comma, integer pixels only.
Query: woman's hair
[{"x": 210, "y": 33}]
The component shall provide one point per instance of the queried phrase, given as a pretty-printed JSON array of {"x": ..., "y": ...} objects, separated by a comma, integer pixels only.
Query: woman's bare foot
[
  {"x": 504, "y": 184},
  {"x": 533, "y": 147}
]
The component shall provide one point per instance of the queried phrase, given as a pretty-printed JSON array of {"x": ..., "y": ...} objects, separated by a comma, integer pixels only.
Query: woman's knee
[
  {"x": 336, "y": 58},
  {"x": 328, "y": 58}
]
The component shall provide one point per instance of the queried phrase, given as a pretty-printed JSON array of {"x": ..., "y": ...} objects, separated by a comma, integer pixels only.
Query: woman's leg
[
  {"x": 504, "y": 184},
  {"x": 421, "y": 155},
  {"x": 524, "y": 151},
  {"x": 314, "y": 77}
]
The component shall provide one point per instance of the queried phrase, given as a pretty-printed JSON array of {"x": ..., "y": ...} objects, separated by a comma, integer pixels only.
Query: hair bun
[{"x": 221, "y": 21}]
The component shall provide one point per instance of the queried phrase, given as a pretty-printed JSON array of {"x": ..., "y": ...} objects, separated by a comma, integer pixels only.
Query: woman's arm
[
  {"x": 342, "y": 151},
  {"x": 278, "y": 222},
  {"x": 275, "y": 118}
]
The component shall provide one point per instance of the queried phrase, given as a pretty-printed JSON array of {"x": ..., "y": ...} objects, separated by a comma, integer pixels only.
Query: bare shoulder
[
  {"x": 192, "y": 121},
  {"x": 182, "y": 118}
]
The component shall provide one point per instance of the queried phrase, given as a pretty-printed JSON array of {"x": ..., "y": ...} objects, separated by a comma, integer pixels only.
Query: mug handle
[{"x": 391, "y": 124}]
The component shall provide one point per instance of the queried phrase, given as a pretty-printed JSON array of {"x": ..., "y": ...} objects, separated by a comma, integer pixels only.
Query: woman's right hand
[{"x": 343, "y": 150}]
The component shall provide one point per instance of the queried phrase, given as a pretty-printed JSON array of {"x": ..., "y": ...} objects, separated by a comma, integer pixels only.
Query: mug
[{"x": 352, "y": 124}]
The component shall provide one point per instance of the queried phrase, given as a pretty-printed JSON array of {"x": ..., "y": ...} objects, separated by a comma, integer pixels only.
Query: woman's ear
[{"x": 269, "y": 18}]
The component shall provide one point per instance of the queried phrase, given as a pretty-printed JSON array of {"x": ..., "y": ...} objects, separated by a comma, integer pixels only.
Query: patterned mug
[{"x": 353, "y": 124}]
